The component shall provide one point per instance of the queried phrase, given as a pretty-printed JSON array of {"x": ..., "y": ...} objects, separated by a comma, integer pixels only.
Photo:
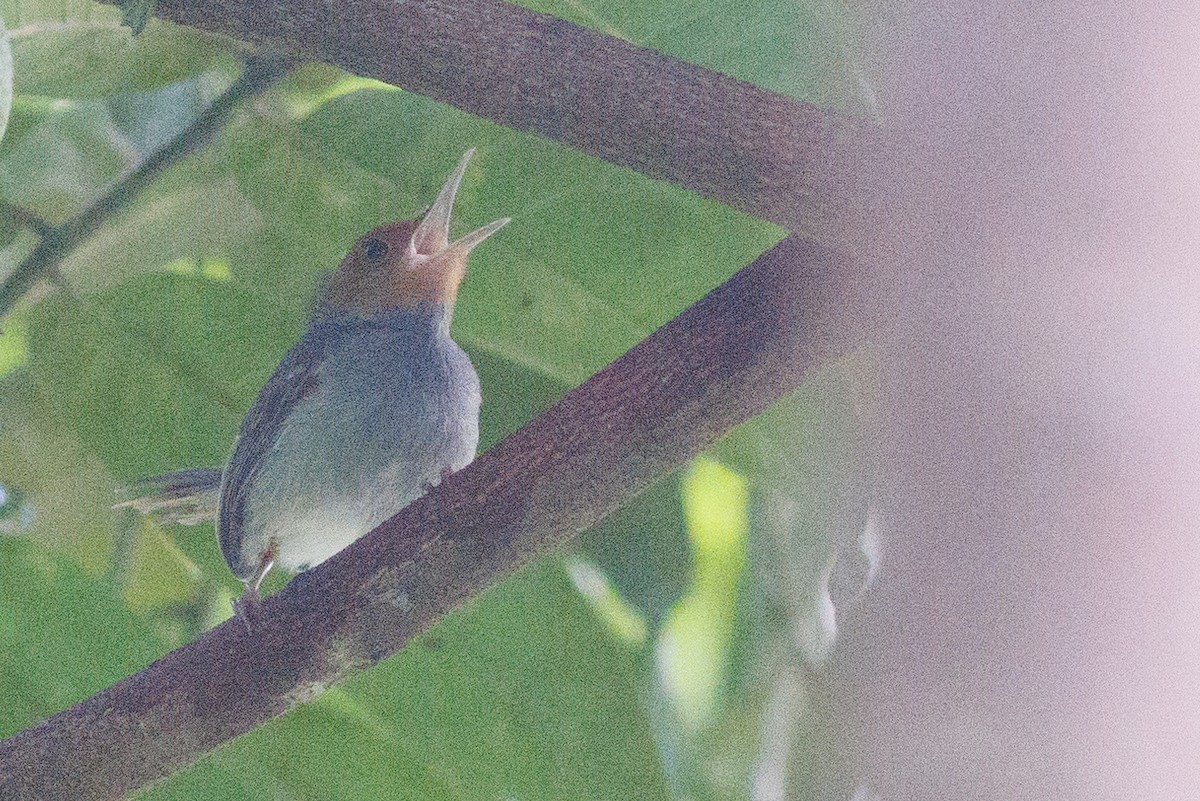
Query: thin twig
[
  {"x": 744, "y": 346},
  {"x": 58, "y": 242},
  {"x": 27, "y": 218}
]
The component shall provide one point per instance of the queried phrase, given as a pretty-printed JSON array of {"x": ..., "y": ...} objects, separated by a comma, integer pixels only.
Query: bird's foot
[
  {"x": 428, "y": 486},
  {"x": 248, "y": 608}
]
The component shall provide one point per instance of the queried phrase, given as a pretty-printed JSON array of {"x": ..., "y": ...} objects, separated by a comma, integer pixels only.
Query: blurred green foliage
[
  {"x": 808, "y": 51},
  {"x": 648, "y": 663}
]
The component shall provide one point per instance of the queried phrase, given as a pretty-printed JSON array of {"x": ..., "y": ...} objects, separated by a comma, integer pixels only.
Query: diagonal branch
[
  {"x": 745, "y": 345},
  {"x": 58, "y": 241},
  {"x": 779, "y": 159}
]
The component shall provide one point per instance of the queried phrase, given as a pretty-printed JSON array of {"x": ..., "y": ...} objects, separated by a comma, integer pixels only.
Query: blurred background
[
  {"x": 959, "y": 563},
  {"x": 661, "y": 658}
]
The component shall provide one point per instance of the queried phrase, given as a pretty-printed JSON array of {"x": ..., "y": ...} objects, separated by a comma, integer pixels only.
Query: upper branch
[
  {"x": 779, "y": 159},
  {"x": 729, "y": 356}
]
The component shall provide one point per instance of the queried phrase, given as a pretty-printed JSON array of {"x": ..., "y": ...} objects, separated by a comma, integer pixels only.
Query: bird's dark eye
[{"x": 375, "y": 249}]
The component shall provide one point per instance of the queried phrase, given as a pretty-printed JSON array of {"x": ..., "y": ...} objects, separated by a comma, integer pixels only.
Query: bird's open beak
[{"x": 432, "y": 237}]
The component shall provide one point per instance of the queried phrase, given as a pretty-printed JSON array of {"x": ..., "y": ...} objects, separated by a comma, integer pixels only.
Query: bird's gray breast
[{"x": 394, "y": 410}]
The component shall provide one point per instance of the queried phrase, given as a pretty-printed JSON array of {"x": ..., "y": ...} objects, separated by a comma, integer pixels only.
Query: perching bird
[{"x": 373, "y": 406}]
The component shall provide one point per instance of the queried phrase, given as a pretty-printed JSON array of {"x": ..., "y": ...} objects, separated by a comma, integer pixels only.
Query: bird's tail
[{"x": 186, "y": 497}]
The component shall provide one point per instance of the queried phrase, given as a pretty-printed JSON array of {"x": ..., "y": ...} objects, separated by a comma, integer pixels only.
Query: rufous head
[{"x": 408, "y": 263}]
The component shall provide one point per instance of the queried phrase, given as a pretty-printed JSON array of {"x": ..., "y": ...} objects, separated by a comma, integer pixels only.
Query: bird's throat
[{"x": 436, "y": 281}]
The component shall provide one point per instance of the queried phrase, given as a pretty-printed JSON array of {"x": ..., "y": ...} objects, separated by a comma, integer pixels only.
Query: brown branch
[
  {"x": 729, "y": 356},
  {"x": 58, "y": 241},
  {"x": 779, "y": 159}
]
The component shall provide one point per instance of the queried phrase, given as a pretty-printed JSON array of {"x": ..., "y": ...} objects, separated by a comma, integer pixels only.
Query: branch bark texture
[
  {"x": 744, "y": 346},
  {"x": 778, "y": 159}
]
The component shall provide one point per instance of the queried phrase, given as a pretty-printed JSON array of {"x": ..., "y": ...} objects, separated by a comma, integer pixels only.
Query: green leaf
[
  {"x": 21, "y": 13},
  {"x": 68, "y": 489},
  {"x": 58, "y": 157},
  {"x": 13, "y": 349},
  {"x": 311, "y": 209},
  {"x": 64, "y": 635},
  {"x": 643, "y": 549},
  {"x": 96, "y": 58},
  {"x": 694, "y": 645},
  {"x": 195, "y": 221},
  {"x": 512, "y": 396},
  {"x": 147, "y": 376},
  {"x": 809, "y": 51}
]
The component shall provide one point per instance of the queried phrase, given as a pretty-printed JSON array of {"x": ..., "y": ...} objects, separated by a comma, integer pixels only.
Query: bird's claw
[{"x": 248, "y": 607}]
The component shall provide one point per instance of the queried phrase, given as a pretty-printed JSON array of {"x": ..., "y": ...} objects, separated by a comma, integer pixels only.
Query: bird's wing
[{"x": 297, "y": 376}]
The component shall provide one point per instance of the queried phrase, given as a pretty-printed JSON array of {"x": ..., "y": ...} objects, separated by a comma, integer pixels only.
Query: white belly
[{"x": 349, "y": 458}]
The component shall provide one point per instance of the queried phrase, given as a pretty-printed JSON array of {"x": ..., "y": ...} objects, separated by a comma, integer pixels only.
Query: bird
[{"x": 373, "y": 406}]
